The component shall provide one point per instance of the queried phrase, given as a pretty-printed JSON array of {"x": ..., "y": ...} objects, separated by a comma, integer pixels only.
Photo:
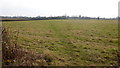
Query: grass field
[{"x": 70, "y": 42}]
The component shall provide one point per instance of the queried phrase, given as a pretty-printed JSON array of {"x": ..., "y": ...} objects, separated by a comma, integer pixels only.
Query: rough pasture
[{"x": 69, "y": 42}]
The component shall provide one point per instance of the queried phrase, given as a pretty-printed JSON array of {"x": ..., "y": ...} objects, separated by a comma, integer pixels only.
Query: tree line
[{"x": 51, "y": 17}]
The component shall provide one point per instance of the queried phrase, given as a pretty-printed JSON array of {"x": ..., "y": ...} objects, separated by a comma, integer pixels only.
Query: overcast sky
[{"x": 92, "y": 8}]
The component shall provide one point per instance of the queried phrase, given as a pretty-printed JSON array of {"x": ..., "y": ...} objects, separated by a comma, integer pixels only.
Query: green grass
[{"x": 70, "y": 42}]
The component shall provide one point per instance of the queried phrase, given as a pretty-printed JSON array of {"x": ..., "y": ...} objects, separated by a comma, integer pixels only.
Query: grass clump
[{"x": 15, "y": 55}]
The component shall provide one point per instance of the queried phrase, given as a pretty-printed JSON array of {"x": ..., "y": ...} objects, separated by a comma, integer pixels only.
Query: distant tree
[
  {"x": 98, "y": 18},
  {"x": 79, "y": 16}
]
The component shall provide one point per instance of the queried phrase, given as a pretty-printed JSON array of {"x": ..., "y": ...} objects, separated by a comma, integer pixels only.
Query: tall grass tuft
[
  {"x": 14, "y": 55},
  {"x": 9, "y": 47}
]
